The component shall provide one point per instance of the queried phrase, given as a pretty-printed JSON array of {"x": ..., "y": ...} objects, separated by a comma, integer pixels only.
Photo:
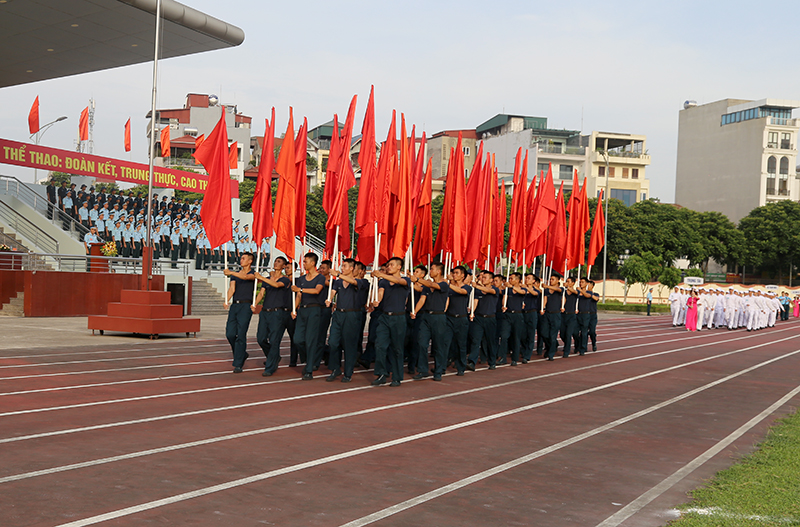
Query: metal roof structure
[{"x": 48, "y": 39}]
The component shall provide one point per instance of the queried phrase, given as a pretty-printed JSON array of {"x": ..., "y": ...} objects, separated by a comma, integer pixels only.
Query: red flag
[
  {"x": 262, "y": 197},
  {"x": 83, "y": 125},
  {"x": 165, "y": 142},
  {"x": 546, "y": 208},
  {"x": 128, "y": 135},
  {"x": 574, "y": 235},
  {"x": 199, "y": 140},
  {"x": 301, "y": 187},
  {"x": 487, "y": 237},
  {"x": 598, "y": 238},
  {"x": 33, "y": 117},
  {"x": 332, "y": 171},
  {"x": 500, "y": 219},
  {"x": 367, "y": 190},
  {"x": 556, "y": 246},
  {"x": 213, "y": 154},
  {"x": 343, "y": 180},
  {"x": 418, "y": 168},
  {"x": 584, "y": 224},
  {"x": 233, "y": 156},
  {"x": 423, "y": 241},
  {"x": 404, "y": 214},
  {"x": 285, "y": 201},
  {"x": 387, "y": 166},
  {"x": 459, "y": 211},
  {"x": 443, "y": 236},
  {"x": 478, "y": 192},
  {"x": 532, "y": 204}
]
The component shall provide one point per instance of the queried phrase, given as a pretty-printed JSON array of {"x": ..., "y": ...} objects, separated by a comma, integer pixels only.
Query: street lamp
[
  {"x": 38, "y": 137},
  {"x": 604, "y": 153},
  {"x": 620, "y": 262}
]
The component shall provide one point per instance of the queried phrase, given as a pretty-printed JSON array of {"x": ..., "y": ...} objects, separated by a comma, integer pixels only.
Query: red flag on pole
[
  {"x": 262, "y": 197},
  {"x": 500, "y": 220},
  {"x": 443, "y": 235},
  {"x": 423, "y": 241},
  {"x": 33, "y": 117},
  {"x": 213, "y": 154},
  {"x": 574, "y": 235},
  {"x": 545, "y": 210},
  {"x": 83, "y": 125},
  {"x": 285, "y": 201},
  {"x": 404, "y": 226},
  {"x": 199, "y": 140},
  {"x": 344, "y": 179},
  {"x": 491, "y": 212},
  {"x": 301, "y": 185},
  {"x": 598, "y": 238},
  {"x": 128, "y": 135},
  {"x": 233, "y": 155},
  {"x": 387, "y": 166},
  {"x": 478, "y": 193},
  {"x": 165, "y": 142},
  {"x": 459, "y": 213},
  {"x": 584, "y": 224},
  {"x": 366, "y": 215},
  {"x": 557, "y": 245}
]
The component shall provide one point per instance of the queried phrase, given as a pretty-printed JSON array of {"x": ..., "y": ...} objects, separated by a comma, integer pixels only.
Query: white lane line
[
  {"x": 422, "y": 435},
  {"x": 203, "y": 390},
  {"x": 130, "y": 368},
  {"x": 366, "y": 411},
  {"x": 118, "y": 350},
  {"x": 621, "y": 516},
  {"x": 111, "y": 359},
  {"x": 646, "y": 498}
]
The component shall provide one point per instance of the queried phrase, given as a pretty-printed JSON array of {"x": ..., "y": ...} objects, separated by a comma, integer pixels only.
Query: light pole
[
  {"x": 604, "y": 153},
  {"x": 620, "y": 262},
  {"x": 38, "y": 137}
]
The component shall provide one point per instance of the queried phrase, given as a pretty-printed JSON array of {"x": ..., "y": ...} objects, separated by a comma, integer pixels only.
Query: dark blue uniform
[
  {"x": 433, "y": 329},
  {"x": 512, "y": 330},
  {"x": 483, "y": 327},
  {"x": 532, "y": 304},
  {"x": 569, "y": 323},
  {"x": 458, "y": 327},
  {"x": 272, "y": 322},
  {"x": 306, "y": 332},
  {"x": 346, "y": 325},
  {"x": 552, "y": 321},
  {"x": 390, "y": 332},
  {"x": 239, "y": 315},
  {"x": 587, "y": 322}
]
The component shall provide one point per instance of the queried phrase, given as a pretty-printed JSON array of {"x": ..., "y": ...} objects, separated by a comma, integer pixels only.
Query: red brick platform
[{"x": 146, "y": 313}]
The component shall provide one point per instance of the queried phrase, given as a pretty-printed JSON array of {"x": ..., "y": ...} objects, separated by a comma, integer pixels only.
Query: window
[
  {"x": 466, "y": 173},
  {"x": 601, "y": 172},
  {"x": 644, "y": 196},
  {"x": 628, "y": 197},
  {"x": 770, "y": 184},
  {"x": 771, "y": 165},
  {"x": 784, "y": 166},
  {"x": 783, "y": 185},
  {"x": 786, "y": 141},
  {"x": 634, "y": 173},
  {"x": 466, "y": 151},
  {"x": 772, "y": 141},
  {"x": 565, "y": 172},
  {"x": 542, "y": 168},
  {"x": 611, "y": 171},
  {"x": 624, "y": 173}
]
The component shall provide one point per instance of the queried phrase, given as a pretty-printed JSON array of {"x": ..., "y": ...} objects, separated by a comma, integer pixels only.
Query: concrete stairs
[
  {"x": 14, "y": 307},
  {"x": 13, "y": 241},
  {"x": 206, "y": 299}
]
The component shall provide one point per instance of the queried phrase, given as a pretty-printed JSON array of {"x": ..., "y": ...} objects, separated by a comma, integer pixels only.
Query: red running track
[{"x": 160, "y": 434}]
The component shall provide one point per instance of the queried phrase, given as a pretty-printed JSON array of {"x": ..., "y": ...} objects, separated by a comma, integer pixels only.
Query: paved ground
[{"x": 139, "y": 432}]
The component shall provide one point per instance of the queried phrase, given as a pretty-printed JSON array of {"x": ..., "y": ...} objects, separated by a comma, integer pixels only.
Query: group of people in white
[{"x": 714, "y": 307}]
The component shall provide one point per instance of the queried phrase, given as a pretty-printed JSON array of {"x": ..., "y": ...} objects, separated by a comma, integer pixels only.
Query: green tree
[
  {"x": 635, "y": 270},
  {"x": 670, "y": 277},
  {"x": 772, "y": 236}
]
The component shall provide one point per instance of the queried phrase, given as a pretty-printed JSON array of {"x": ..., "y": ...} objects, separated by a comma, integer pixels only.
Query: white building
[{"x": 735, "y": 155}]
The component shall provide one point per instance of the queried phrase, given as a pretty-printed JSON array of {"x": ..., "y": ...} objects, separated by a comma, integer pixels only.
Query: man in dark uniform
[
  {"x": 237, "y": 300},
  {"x": 499, "y": 282},
  {"x": 391, "y": 327},
  {"x": 62, "y": 193},
  {"x": 309, "y": 297},
  {"x": 457, "y": 321},
  {"x": 433, "y": 324},
  {"x": 483, "y": 320},
  {"x": 569, "y": 322},
  {"x": 325, "y": 315},
  {"x": 346, "y": 320},
  {"x": 375, "y": 310},
  {"x": 551, "y": 310},
  {"x": 273, "y": 315},
  {"x": 587, "y": 315},
  {"x": 52, "y": 199},
  {"x": 512, "y": 331},
  {"x": 363, "y": 298},
  {"x": 414, "y": 305},
  {"x": 532, "y": 304}
]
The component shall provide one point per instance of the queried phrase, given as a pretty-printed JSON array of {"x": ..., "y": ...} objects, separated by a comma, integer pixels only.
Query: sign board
[
  {"x": 693, "y": 280},
  {"x": 42, "y": 157},
  {"x": 771, "y": 287}
]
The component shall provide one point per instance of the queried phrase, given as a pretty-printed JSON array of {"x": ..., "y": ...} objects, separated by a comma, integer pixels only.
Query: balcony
[
  {"x": 778, "y": 121},
  {"x": 617, "y": 157},
  {"x": 561, "y": 149},
  {"x": 783, "y": 145}
]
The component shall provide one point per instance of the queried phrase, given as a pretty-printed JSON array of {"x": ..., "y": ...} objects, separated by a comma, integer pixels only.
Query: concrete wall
[{"x": 505, "y": 147}]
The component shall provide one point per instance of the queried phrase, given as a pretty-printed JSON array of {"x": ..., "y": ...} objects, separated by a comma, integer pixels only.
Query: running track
[{"x": 163, "y": 434}]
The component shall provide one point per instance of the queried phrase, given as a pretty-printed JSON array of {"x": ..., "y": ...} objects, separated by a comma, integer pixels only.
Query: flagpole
[
  {"x": 258, "y": 261},
  {"x": 148, "y": 258},
  {"x": 523, "y": 266},
  {"x": 226, "y": 268},
  {"x": 333, "y": 263},
  {"x": 411, "y": 264},
  {"x": 508, "y": 276},
  {"x": 472, "y": 290}
]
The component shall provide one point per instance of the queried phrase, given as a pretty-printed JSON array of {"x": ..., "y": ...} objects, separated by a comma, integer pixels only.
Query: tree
[
  {"x": 670, "y": 277},
  {"x": 635, "y": 270},
  {"x": 772, "y": 236}
]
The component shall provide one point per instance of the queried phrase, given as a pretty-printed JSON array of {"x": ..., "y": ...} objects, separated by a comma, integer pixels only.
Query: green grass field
[{"x": 762, "y": 489}]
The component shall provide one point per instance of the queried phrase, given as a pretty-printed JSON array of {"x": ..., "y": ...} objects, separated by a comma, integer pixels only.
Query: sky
[{"x": 608, "y": 66}]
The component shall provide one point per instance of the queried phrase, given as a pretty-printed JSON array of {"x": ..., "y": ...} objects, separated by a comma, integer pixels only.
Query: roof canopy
[{"x": 47, "y": 39}]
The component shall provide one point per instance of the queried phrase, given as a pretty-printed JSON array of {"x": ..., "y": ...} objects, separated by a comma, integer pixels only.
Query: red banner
[{"x": 67, "y": 161}]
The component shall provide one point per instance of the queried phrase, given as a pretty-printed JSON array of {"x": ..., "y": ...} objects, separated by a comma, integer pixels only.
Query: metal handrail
[
  {"x": 27, "y": 229},
  {"x": 5, "y": 239},
  {"x": 80, "y": 263},
  {"x": 14, "y": 187}
]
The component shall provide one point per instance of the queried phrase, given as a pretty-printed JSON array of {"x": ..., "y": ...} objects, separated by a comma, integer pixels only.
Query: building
[
  {"x": 735, "y": 155},
  {"x": 438, "y": 148},
  {"x": 199, "y": 116},
  {"x": 567, "y": 151}
]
